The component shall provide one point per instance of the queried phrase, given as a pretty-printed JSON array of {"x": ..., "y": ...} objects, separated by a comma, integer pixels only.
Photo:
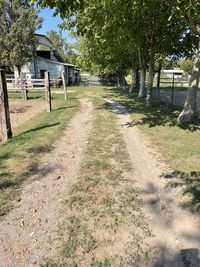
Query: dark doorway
[{"x": 42, "y": 72}]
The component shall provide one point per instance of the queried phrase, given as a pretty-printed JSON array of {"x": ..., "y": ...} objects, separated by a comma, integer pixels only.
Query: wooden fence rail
[{"x": 34, "y": 85}]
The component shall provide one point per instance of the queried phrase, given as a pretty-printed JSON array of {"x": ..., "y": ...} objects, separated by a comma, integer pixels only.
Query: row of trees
[{"x": 122, "y": 35}]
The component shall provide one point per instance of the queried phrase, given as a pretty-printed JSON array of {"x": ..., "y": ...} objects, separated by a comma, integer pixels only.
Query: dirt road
[{"x": 28, "y": 232}]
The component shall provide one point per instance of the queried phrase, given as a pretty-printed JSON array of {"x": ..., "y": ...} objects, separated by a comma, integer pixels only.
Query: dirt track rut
[
  {"x": 176, "y": 232},
  {"x": 27, "y": 233}
]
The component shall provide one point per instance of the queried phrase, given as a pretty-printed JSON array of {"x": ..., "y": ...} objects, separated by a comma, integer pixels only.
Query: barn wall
[{"x": 54, "y": 68}]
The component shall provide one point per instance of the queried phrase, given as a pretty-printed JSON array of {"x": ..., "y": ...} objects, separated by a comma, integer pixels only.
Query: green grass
[
  {"x": 179, "y": 144},
  {"x": 103, "y": 209},
  {"x": 31, "y": 95},
  {"x": 19, "y": 158}
]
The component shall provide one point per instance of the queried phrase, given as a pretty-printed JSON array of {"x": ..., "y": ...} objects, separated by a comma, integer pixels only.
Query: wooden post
[
  {"x": 64, "y": 86},
  {"x": 173, "y": 90},
  {"x": 48, "y": 91},
  {"x": 6, "y": 131},
  {"x": 158, "y": 80}
]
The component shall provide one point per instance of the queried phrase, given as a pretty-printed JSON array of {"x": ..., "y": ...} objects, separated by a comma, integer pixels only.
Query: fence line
[
  {"x": 31, "y": 84},
  {"x": 24, "y": 86},
  {"x": 170, "y": 92}
]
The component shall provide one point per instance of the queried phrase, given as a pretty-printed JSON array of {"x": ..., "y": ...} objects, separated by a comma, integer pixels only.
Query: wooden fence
[
  {"x": 33, "y": 85},
  {"x": 23, "y": 86}
]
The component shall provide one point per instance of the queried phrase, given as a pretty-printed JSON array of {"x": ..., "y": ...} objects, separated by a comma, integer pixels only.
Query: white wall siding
[{"x": 55, "y": 69}]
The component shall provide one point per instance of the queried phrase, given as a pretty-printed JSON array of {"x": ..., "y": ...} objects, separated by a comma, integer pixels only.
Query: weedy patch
[{"x": 104, "y": 224}]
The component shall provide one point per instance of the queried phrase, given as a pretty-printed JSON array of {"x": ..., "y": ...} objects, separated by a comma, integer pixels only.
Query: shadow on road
[
  {"x": 160, "y": 114},
  {"x": 190, "y": 183},
  {"x": 184, "y": 258}
]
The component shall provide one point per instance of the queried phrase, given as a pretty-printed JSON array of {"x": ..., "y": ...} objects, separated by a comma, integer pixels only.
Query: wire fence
[{"x": 173, "y": 91}]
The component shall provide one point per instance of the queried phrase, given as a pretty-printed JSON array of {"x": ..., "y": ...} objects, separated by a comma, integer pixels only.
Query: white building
[
  {"x": 49, "y": 60},
  {"x": 177, "y": 73}
]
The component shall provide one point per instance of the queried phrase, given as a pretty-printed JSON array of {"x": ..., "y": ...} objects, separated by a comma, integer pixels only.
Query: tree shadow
[
  {"x": 32, "y": 97},
  {"x": 160, "y": 114},
  {"x": 34, "y": 170},
  {"x": 183, "y": 258},
  {"x": 168, "y": 256},
  {"x": 61, "y": 108},
  {"x": 38, "y": 129},
  {"x": 19, "y": 110},
  {"x": 11, "y": 179},
  {"x": 5, "y": 184},
  {"x": 190, "y": 184},
  {"x": 39, "y": 149}
]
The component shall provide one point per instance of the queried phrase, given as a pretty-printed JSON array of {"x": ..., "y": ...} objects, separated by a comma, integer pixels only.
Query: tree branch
[{"x": 195, "y": 27}]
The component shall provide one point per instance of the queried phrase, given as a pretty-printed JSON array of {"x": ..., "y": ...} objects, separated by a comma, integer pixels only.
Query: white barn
[{"x": 49, "y": 60}]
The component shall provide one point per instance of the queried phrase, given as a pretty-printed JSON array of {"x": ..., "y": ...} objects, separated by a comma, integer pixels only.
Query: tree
[
  {"x": 58, "y": 41},
  {"x": 186, "y": 65},
  {"x": 18, "y": 23},
  {"x": 71, "y": 55},
  {"x": 190, "y": 11}
]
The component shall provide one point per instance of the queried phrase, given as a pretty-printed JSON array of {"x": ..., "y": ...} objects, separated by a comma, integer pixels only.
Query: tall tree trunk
[
  {"x": 137, "y": 79},
  {"x": 150, "y": 79},
  {"x": 190, "y": 101},
  {"x": 122, "y": 79},
  {"x": 143, "y": 76},
  {"x": 132, "y": 82},
  {"x": 6, "y": 131},
  {"x": 118, "y": 81},
  {"x": 23, "y": 89},
  {"x": 142, "y": 83},
  {"x": 124, "y": 82}
]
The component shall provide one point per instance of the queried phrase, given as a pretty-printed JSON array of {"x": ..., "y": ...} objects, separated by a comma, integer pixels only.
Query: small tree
[
  {"x": 18, "y": 23},
  {"x": 186, "y": 65},
  {"x": 58, "y": 41}
]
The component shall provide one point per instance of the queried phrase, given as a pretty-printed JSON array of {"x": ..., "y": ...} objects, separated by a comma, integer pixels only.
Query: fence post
[
  {"x": 6, "y": 131},
  {"x": 173, "y": 90},
  {"x": 47, "y": 91},
  {"x": 64, "y": 85},
  {"x": 158, "y": 79},
  {"x": 158, "y": 87}
]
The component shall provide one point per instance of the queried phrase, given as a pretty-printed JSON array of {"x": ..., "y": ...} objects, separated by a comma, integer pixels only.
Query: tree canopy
[
  {"x": 18, "y": 23},
  {"x": 123, "y": 35}
]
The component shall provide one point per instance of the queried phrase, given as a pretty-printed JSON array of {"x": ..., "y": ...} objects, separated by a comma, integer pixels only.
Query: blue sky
[{"x": 51, "y": 23}]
